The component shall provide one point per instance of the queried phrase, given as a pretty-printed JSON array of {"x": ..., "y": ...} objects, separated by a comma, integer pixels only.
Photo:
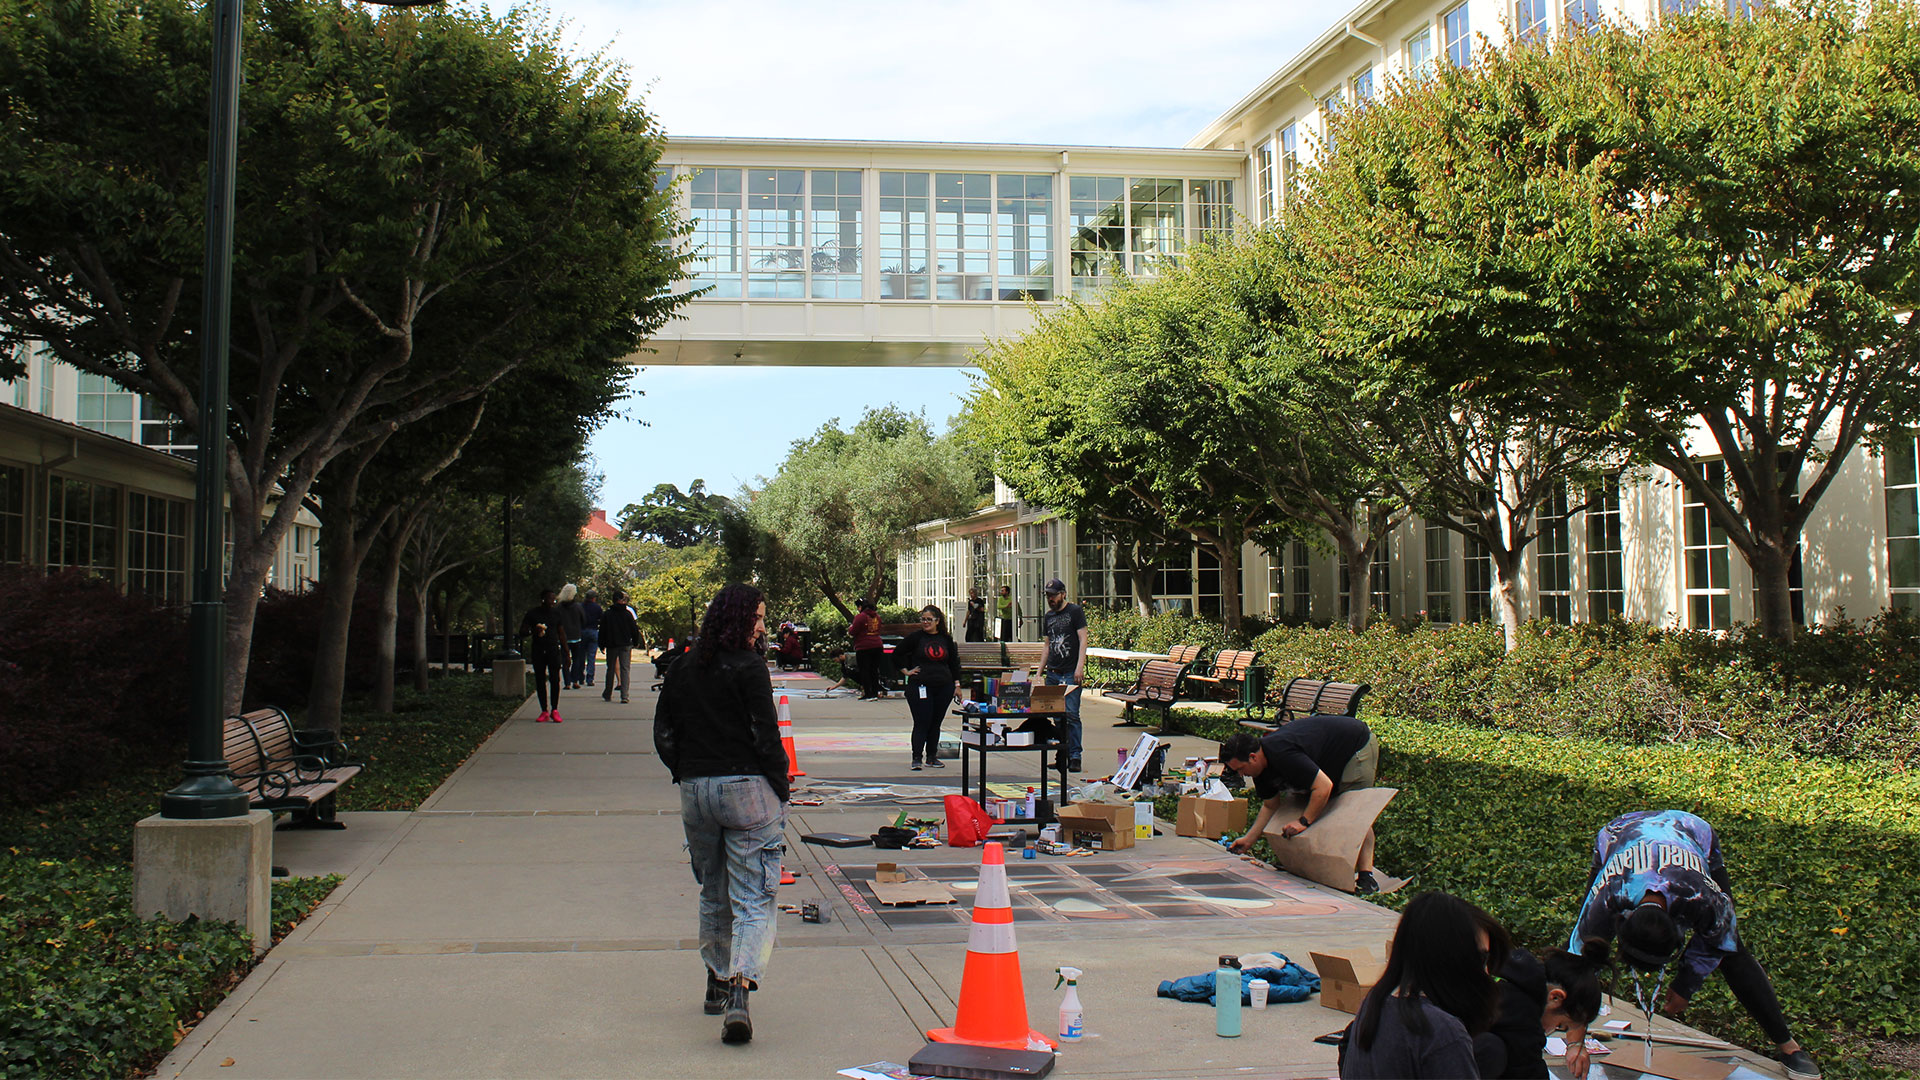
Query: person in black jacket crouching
[
  {"x": 1537, "y": 998},
  {"x": 716, "y": 732}
]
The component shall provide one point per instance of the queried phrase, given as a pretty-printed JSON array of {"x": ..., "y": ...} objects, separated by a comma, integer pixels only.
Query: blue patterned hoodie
[{"x": 1672, "y": 853}]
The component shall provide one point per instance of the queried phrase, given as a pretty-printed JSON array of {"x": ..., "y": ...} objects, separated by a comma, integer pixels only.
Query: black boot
[
  {"x": 738, "y": 1026},
  {"x": 716, "y": 994}
]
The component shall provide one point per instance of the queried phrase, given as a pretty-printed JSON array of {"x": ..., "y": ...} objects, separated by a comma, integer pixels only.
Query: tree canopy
[{"x": 675, "y": 518}]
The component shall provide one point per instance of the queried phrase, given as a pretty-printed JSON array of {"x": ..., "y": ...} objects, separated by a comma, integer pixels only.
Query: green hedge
[
  {"x": 1841, "y": 690},
  {"x": 1824, "y": 856}
]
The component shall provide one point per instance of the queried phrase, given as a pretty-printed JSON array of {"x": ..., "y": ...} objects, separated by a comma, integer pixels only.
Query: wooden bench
[
  {"x": 1313, "y": 697},
  {"x": 1184, "y": 655},
  {"x": 1158, "y": 687},
  {"x": 283, "y": 768},
  {"x": 1234, "y": 677},
  {"x": 1002, "y": 655}
]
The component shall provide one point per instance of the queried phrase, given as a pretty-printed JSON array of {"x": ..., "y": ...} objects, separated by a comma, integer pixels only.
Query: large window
[
  {"x": 717, "y": 201},
  {"x": 1099, "y": 580},
  {"x": 1289, "y": 161},
  {"x": 1363, "y": 87},
  {"x": 1553, "y": 560},
  {"x": 1263, "y": 180},
  {"x": 1290, "y": 581},
  {"x": 1097, "y": 224},
  {"x": 83, "y": 526},
  {"x": 776, "y": 233},
  {"x": 1023, "y": 218},
  {"x": 162, "y": 430},
  {"x": 1439, "y": 543},
  {"x": 1581, "y": 15},
  {"x": 1419, "y": 48},
  {"x": 1902, "y": 472},
  {"x": 1212, "y": 209},
  {"x": 833, "y": 227},
  {"x": 980, "y": 563},
  {"x": 1606, "y": 552},
  {"x": 1158, "y": 216},
  {"x": 13, "y": 516},
  {"x": 963, "y": 236},
  {"x": 1708, "y": 562},
  {"x": 157, "y": 547},
  {"x": 104, "y": 407},
  {"x": 906, "y": 239},
  {"x": 1476, "y": 582},
  {"x": 1529, "y": 19},
  {"x": 1330, "y": 107},
  {"x": 1459, "y": 37}
]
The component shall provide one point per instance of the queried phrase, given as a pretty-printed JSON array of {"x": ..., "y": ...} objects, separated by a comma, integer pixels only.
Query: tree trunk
[
  {"x": 1231, "y": 604},
  {"x": 246, "y": 581},
  {"x": 344, "y": 546},
  {"x": 1771, "y": 561},
  {"x": 1359, "y": 560},
  {"x": 1506, "y": 595},
  {"x": 422, "y": 599},
  {"x": 1139, "y": 577},
  {"x": 387, "y": 633}
]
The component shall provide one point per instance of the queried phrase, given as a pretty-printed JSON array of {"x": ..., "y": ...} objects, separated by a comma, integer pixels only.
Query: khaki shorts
[{"x": 1361, "y": 768}]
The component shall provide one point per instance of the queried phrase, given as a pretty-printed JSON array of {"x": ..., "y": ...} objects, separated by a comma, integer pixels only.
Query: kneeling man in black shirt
[{"x": 1320, "y": 756}]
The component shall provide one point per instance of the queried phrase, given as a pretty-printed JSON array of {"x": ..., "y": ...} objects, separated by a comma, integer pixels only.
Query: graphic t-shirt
[
  {"x": 1675, "y": 854},
  {"x": 1061, "y": 629},
  {"x": 865, "y": 631},
  {"x": 1306, "y": 748},
  {"x": 934, "y": 655}
]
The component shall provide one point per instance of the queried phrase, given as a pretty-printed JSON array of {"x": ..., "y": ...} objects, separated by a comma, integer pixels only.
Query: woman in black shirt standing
[{"x": 933, "y": 679}]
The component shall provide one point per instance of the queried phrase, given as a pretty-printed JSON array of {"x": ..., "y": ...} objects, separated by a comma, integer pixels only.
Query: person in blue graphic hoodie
[{"x": 1658, "y": 874}]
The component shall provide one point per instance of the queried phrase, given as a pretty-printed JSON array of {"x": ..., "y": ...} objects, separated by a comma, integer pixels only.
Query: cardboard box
[
  {"x": 889, "y": 873},
  {"x": 1345, "y": 977},
  {"x": 1211, "y": 818},
  {"x": 1046, "y": 698},
  {"x": 1108, "y": 827}
]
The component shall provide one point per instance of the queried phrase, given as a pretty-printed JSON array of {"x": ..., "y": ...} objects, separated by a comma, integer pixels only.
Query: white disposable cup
[{"x": 1257, "y": 990}]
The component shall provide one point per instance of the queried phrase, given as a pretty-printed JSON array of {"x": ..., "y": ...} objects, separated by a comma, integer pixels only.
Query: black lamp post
[{"x": 207, "y": 791}]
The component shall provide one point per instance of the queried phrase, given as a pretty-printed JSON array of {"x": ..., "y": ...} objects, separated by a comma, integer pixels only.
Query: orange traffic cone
[
  {"x": 785, "y": 713},
  {"x": 993, "y": 1005}
]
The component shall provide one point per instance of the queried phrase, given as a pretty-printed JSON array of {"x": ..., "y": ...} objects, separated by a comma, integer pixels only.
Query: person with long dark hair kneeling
[
  {"x": 1435, "y": 995},
  {"x": 1539, "y": 996},
  {"x": 716, "y": 731}
]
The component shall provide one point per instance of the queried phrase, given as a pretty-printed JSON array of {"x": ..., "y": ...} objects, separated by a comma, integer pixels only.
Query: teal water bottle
[{"x": 1226, "y": 998}]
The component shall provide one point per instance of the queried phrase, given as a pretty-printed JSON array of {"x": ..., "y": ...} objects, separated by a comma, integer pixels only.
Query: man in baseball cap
[{"x": 1064, "y": 626}]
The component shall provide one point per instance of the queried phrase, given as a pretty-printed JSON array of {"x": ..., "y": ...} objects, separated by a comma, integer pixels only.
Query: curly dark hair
[
  {"x": 729, "y": 622},
  {"x": 940, "y": 617}
]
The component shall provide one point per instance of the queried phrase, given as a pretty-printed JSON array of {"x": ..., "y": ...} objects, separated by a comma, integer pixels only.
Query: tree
[
  {"x": 1696, "y": 238},
  {"x": 676, "y": 519},
  {"x": 419, "y": 199},
  {"x": 844, "y": 504},
  {"x": 666, "y": 585}
]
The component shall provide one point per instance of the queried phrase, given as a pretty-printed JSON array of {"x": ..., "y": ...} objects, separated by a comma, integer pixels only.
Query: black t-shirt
[
  {"x": 554, "y": 641},
  {"x": 1513, "y": 1049},
  {"x": 934, "y": 655},
  {"x": 1309, "y": 745},
  {"x": 1061, "y": 629}
]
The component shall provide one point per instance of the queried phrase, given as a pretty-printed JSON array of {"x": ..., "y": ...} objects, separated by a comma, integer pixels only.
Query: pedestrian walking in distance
[{"x": 547, "y": 652}]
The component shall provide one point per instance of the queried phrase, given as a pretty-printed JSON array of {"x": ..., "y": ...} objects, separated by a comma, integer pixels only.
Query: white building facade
[
  {"x": 96, "y": 478},
  {"x": 857, "y": 253}
]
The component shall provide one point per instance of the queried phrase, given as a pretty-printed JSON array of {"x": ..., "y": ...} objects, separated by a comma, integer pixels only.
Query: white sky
[{"x": 1125, "y": 73}]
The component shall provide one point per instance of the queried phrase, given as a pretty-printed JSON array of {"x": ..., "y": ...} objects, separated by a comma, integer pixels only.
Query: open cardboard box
[
  {"x": 1345, "y": 977},
  {"x": 1046, "y": 698},
  {"x": 1211, "y": 818},
  {"x": 1108, "y": 824}
]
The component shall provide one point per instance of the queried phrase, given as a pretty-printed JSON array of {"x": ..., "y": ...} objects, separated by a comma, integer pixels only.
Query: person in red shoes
[{"x": 546, "y": 654}]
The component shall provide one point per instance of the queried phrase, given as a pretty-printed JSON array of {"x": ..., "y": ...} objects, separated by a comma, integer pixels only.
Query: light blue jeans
[
  {"x": 736, "y": 832},
  {"x": 1071, "y": 726}
]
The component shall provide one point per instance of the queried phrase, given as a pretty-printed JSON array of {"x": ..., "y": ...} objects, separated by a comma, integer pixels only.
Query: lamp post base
[{"x": 218, "y": 870}]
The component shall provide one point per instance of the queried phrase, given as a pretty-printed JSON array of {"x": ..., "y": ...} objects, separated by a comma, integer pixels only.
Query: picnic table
[{"x": 1124, "y": 656}]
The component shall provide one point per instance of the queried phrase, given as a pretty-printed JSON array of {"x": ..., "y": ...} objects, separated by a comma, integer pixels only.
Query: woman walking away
[
  {"x": 976, "y": 616},
  {"x": 547, "y": 652},
  {"x": 715, "y": 730},
  {"x": 933, "y": 681},
  {"x": 868, "y": 649},
  {"x": 1435, "y": 995},
  {"x": 1536, "y": 999},
  {"x": 571, "y": 622}
]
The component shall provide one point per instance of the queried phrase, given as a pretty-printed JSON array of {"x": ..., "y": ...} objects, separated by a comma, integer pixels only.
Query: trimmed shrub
[
  {"x": 285, "y": 627},
  {"x": 89, "y": 678}
]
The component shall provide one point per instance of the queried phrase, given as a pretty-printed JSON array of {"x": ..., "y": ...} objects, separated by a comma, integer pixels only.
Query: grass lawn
[
  {"x": 1824, "y": 857},
  {"x": 87, "y": 989}
]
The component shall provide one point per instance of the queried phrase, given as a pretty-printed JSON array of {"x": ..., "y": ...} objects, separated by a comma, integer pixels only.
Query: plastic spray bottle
[
  {"x": 1072, "y": 1018},
  {"x": 1226, "y": 998}
]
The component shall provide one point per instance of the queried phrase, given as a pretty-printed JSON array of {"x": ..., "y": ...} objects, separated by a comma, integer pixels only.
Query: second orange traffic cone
[
  {"x": 993, "y": 1004},
  {"x": 785, "y": 714}
]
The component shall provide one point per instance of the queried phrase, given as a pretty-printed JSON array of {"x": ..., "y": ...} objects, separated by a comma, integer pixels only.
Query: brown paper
[
  {"x": 1326, "y": 852},
  {"x": 907, "y": 894},
  {"x": 1670, "y": 1064}
]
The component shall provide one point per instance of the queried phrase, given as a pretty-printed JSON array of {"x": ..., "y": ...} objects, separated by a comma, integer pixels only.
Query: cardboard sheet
[
  {"x": 1673, "y": 1065},
  {"x": 1326, "y": 853},
  {"x": 909, "y": 893}
]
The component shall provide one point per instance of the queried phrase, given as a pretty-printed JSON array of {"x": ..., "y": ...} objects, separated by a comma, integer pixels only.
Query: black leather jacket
[{"x": 718, "y": 720}]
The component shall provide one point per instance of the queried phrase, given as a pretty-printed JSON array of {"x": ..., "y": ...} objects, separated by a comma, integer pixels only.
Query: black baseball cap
[{"x": 1054, "y": 585}]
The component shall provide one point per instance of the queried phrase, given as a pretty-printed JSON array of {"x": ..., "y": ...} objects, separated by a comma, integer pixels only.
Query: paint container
[{"x": 1026, "y": 853}]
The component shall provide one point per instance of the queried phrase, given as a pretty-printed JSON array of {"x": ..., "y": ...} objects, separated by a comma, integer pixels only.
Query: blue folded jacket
[{"x": 1285, "y": 984}]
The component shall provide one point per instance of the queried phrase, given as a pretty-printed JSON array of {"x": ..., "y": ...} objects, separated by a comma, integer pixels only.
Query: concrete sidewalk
[{"x": 536, "y": 917}]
